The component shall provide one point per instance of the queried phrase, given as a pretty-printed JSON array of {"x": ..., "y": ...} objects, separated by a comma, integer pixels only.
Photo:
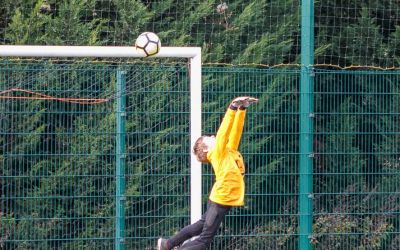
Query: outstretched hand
[{"x": 243, "y": 101}]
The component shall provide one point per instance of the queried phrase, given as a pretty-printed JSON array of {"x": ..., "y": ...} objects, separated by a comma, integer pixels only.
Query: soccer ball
[{"x": 148, "y": 44}]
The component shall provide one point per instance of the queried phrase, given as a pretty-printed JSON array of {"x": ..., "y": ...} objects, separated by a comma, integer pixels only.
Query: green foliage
[
  {"x": 56, "y": 26},
  {"x": 73, "y": 175},
  {"x": 278, "y": 234},
  {"x": 128, "y": 20},
  {"x": 355, "y": 171},
  {"x": 373, "y": 232},
  {"x": 57, "y": 159},
  {"x": 361, "y": 33}
]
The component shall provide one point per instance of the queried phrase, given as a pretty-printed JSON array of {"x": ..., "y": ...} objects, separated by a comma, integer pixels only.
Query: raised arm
[
  {"x": 241, "y": 103},
  {"x": 231, "y": 127},
  {"x": 224, "y": 130},
  {"x": 237, "y": 129}
]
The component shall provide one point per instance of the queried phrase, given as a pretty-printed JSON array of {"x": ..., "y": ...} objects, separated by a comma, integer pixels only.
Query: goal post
[{"x": 193, "y": 54}]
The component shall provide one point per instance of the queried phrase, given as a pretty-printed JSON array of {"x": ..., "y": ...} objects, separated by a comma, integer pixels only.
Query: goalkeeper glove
[{"x": 243, "y": 102}]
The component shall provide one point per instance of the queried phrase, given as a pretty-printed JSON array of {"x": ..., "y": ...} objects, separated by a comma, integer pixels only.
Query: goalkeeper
[{"x": 228, "y": 190}]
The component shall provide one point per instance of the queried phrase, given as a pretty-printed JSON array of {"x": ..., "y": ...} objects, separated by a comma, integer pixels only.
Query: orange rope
[{"x": 40, "y": 96}]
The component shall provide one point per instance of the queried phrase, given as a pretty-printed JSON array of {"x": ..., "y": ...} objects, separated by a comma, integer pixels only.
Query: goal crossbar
[{"x": 92, "y": 51}]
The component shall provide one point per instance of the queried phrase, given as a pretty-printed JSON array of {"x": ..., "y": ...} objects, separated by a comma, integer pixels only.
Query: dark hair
[{"x": 199, "y": 148}]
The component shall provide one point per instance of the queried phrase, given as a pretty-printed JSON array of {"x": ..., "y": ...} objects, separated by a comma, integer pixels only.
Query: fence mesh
[
  {"x": 270, "y": 150},
  {"x": 358, "y": 34},
  {"x": 356, "y": 160},
  {"x": 58, "y": 131},
  {"x": 58, "y": 158},
  {"x": 57, "y": 171}
]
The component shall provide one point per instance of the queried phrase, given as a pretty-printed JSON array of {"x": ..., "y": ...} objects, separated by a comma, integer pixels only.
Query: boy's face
[{"x": 210, "y": 142}]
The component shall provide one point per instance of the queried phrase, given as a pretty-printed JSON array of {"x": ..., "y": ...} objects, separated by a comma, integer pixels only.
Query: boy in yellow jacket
[{"x": 228, "y": 190}]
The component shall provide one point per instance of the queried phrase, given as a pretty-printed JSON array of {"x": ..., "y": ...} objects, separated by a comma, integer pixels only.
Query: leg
[
  {"x": 214, "y": 216},
  {"x": 183, "y": 235},
  {"x": 187, "y": 233}
]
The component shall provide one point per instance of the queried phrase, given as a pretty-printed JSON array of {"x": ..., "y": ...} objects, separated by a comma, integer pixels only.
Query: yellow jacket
[{"x": 227, "y": 162}]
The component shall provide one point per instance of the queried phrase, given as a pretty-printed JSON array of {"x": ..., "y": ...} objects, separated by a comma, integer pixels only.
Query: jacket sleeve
[
  {"x": 237, "y": 129},
  {"x": 224, "y": 131}
]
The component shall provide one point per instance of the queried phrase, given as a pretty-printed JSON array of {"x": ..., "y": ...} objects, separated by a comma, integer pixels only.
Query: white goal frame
[{"x": 191, "y": 53}]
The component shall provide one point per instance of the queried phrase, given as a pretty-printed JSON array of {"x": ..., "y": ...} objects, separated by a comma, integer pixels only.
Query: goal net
[{"x": 97, "y": 154}]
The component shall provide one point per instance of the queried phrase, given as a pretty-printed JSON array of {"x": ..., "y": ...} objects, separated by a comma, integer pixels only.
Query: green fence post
[
  {"x": 120, "y": 162},
  {"x": 306, "y": 124}
]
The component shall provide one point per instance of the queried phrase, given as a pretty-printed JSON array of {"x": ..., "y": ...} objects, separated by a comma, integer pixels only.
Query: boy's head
[{"x": 202, "y": 146}]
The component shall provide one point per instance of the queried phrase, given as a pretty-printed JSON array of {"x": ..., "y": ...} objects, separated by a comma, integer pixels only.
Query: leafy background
[{"x": 57, "y": 181}]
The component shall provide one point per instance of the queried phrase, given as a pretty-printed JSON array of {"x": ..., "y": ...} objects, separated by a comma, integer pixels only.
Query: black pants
[{"x": 205, "y": 228}]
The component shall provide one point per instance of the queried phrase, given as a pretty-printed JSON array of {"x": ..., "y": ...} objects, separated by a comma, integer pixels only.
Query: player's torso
[{"x": 229, "y": 185}]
